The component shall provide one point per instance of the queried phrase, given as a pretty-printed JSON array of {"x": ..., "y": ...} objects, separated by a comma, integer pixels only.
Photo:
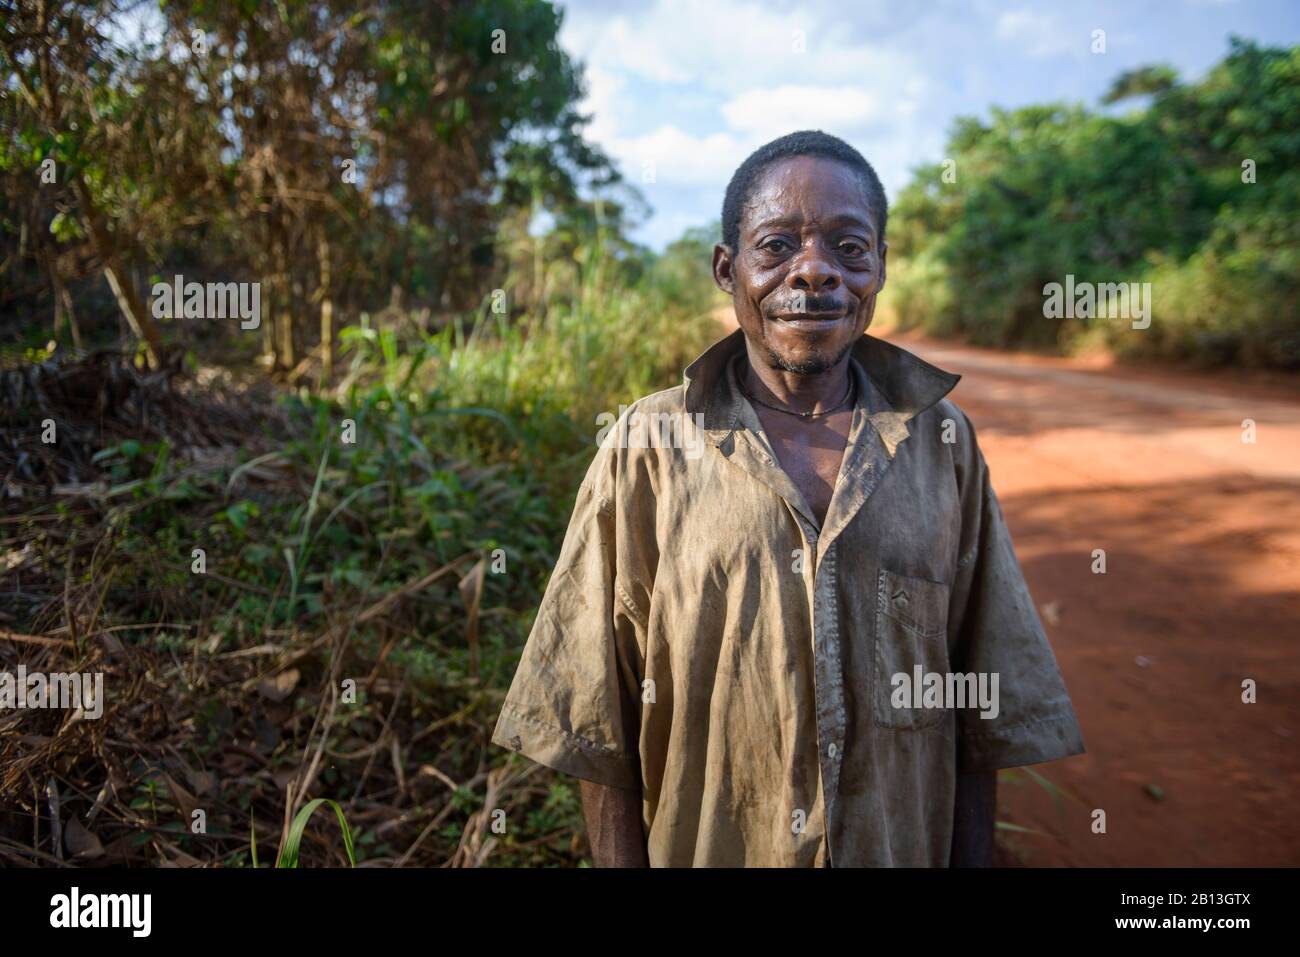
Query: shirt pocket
[{"x": 911, "y": 630}]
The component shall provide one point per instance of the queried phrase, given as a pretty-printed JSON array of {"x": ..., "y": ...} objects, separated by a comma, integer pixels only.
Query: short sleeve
[
  {"x": 998, "y": 632},
  {"x": 574, "y": 702}
]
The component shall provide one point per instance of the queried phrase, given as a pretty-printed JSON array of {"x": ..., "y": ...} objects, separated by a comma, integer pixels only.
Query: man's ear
[
  {"x": 722, "y": 269},
  {"x": 884, "y": 252}
]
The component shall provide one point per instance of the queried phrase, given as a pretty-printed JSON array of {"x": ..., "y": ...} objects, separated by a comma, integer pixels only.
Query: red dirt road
[{"x": 1201, "y": 533}]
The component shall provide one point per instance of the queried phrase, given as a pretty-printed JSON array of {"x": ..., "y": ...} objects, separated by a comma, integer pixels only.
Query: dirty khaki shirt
[{"x": 702, "y": 639}]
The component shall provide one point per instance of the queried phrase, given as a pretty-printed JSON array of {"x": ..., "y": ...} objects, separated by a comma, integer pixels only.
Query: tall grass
[
  {"x": 359, "y": 558},
  {"x": 497, "y": 387},
  {"x": 471, "y": 441}
]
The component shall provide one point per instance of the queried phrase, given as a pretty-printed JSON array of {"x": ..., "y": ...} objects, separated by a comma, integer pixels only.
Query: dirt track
[{"x": 1202, "y": 589}]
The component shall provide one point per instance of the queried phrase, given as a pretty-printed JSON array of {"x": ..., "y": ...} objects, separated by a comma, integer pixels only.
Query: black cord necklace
[{"x": 803, "y": 415}]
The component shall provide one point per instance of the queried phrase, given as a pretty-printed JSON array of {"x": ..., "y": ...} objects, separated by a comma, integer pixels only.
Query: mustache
[{"x": 812, "y": 304}]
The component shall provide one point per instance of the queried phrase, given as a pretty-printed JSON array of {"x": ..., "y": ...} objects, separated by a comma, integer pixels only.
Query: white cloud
[
  {"x": 1040, "y": 35},
  {"x": 601, "y": 102},
  {"x": 726, "y": 45},
  {"x": 678, "y": 157},
  {"x": 684, "y": 93},
  {"x": 770, "y": 112},
  {"x": 678, "y": 42}
]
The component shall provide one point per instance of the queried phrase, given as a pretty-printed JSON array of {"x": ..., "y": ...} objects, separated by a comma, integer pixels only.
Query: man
[{"x": 811, "y": 644}]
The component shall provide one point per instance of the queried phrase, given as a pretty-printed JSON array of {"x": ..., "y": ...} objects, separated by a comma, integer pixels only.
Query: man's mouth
[{"x": 810, "y": 321}]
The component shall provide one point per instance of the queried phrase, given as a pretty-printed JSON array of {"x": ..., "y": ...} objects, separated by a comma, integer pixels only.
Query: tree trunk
[
  {"x": 64, "y": 314},
  {"x": 326, "y": 312},
  {"x": 128, "y": 299},
  {"x": 284, "y": 351}
]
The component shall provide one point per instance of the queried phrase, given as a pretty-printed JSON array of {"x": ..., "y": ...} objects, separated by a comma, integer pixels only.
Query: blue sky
[{"x": 680, "y": 92}]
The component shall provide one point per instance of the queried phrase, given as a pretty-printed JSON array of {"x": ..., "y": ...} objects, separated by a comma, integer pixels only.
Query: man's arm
[
  {"x": 614, "y": 825},
  {"x": 972, "y": 832}
]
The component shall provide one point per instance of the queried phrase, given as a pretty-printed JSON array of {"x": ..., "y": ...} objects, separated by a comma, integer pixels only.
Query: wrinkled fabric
[{"x": 702, "y": 639}]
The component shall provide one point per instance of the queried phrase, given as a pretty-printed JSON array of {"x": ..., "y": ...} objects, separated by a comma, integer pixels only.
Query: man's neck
[{"x": 798, "y": 392}]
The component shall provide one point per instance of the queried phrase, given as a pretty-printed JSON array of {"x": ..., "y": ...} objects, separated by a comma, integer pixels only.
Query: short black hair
[{"x": 802, "y": 143}]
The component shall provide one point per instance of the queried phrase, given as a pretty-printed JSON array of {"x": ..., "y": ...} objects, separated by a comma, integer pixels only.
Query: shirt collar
[{"x": 908, "y": 384}]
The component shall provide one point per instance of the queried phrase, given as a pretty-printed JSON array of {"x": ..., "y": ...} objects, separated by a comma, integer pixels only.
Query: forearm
[
  {"x": 976, "y": 804},
  {"x": 614, "y": 829}
]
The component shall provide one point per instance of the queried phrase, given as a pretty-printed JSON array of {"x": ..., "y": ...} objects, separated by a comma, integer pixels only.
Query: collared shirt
[{"x": 782, "y": 693}]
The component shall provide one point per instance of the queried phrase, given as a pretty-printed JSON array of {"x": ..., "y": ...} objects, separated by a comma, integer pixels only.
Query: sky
[{"x": 680, "y": 92}]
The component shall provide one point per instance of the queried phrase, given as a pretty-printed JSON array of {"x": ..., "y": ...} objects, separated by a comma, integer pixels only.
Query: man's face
[{"x": 809, "y": 265}]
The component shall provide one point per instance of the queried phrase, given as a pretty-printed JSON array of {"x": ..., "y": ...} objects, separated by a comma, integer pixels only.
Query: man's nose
[{"x": 813, "y": 271}]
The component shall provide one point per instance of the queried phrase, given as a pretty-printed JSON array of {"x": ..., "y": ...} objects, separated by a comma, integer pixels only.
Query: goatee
[{"x": 814, "y": 365}]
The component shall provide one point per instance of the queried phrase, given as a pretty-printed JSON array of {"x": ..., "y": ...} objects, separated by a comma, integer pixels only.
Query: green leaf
[
  {"x": 289, "y": 853},
  {"x": 1017, "y": 828}
]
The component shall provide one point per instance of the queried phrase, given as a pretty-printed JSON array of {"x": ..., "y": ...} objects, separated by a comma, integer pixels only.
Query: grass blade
[{"x": 289, "y": 854}]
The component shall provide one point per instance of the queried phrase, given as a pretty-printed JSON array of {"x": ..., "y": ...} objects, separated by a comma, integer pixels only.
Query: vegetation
[
  {"x": 305, "y": 556},
  {"x": 1197, "y": 193},
  {"x": 310, "y": 585},
  {"x": 405, "y": 565},
  {"x": 337, "y": 156}
]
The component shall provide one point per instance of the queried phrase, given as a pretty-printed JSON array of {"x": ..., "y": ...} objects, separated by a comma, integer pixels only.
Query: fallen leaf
[
  {"x": 281, "y": 686},
  {"x": 81, "y": 843},
  {"x": 204, "y": 783},
  {"x": 184, "y": 800},
  {"x": 112, "y": 644}
]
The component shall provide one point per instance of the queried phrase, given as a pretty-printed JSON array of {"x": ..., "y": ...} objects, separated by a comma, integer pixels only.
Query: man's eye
[
  {"x": 852, "y": 248},
  {"x": 775, "y": 246}
]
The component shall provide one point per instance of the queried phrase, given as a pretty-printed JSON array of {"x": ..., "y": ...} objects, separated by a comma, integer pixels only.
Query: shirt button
[{"x": 832, "y": 751}]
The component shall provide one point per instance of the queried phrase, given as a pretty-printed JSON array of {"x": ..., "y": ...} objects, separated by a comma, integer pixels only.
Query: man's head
[{"x": 803, "y": 249}]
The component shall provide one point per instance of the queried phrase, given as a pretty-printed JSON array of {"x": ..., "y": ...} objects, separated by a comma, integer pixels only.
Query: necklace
[{"x": 803, "y": 415}]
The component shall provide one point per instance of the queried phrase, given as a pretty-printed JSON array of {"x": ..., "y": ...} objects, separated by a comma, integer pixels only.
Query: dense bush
[
  {"x": 1162, "y": 195},
  {"x": 396, "y": 530}
]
